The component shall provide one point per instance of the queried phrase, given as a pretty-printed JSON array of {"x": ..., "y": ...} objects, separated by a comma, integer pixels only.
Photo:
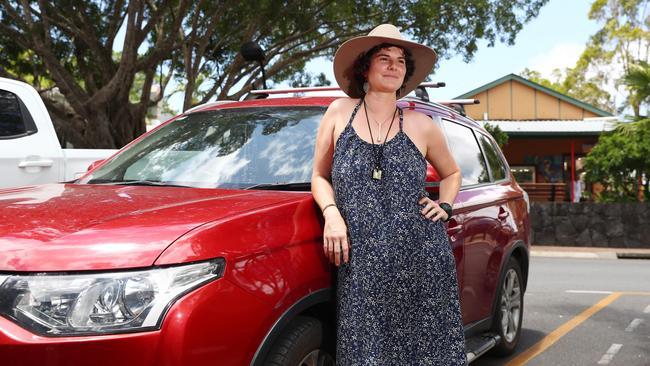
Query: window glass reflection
[
  {"x": 467, "y": 154},
  {"x": 229, "y": 148}
]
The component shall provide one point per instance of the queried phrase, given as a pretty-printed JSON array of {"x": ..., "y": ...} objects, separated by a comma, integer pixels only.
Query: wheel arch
[
  {"x": 519, "y": 251},
  {"x": 316, "y": 304}
]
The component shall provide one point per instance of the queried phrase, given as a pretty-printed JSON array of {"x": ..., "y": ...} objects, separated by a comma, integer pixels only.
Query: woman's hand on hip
[
  {"x": 431, "y": 210},
  {"x": 335, "y": 238}
]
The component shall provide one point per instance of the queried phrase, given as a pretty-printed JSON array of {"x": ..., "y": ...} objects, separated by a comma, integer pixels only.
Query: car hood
[{"x": 70, "y": 227}]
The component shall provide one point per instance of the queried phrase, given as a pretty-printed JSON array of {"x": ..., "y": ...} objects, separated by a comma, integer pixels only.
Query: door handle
[
  {"x": 454, "y": 230},
  {"x": 44, "y": 163}
]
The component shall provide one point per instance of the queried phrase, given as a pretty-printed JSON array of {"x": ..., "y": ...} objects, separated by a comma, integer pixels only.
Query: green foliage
[
  {"x": 637, "y": 81},
  {"x": 499, "y": 136},
  {"x": 69, "y": 43},
  {"x": 619, "y": 160},
  {"x": 623, "y": 41}
]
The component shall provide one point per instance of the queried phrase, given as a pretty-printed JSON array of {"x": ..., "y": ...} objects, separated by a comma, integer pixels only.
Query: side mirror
[{"x": 94, "y": 164}]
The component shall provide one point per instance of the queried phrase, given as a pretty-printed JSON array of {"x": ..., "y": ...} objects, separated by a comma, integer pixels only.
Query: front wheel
[
  {"x": 510, "y": 309},
  {"x": 303, "y": 343}
]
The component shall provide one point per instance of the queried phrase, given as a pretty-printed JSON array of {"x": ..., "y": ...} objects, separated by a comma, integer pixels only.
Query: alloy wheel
[
  {"x": 510, "y": 305},
  {"x": 317, "y": 358}
]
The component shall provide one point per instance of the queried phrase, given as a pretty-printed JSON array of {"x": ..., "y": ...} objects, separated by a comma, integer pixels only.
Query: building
[{"x": 549, "y": 133}]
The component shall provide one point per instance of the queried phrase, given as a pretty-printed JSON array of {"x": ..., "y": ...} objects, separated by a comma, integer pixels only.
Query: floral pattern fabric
[{"x": 397, "y": 297}]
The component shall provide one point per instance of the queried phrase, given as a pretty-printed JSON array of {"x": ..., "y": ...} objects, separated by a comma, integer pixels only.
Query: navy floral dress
[{"x": 397, "y": 297}]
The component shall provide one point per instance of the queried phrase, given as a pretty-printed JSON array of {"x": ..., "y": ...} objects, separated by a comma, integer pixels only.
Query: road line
[
  {"x": 561, "y": 331},
  {"x": 647, "y": 310},
  {"x": 633, "y": 324},
  {"x": 589, "y": 292},
  {"x": 609, "y": 355}
]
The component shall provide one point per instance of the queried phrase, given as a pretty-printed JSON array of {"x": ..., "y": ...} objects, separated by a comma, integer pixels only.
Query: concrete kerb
[{"x": 588, "y": 252}]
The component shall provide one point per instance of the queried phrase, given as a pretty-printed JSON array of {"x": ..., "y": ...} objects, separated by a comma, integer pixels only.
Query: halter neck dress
[{"x": 397, "y": 297}]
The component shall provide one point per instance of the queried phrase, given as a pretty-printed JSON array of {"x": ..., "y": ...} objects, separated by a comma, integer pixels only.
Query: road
[{"x": 584, "y": 312}]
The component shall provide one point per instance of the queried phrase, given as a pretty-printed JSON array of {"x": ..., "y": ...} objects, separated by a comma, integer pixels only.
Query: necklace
[
  {"x": 377, "y": 151},
  {"x": 380, "y": 124}
]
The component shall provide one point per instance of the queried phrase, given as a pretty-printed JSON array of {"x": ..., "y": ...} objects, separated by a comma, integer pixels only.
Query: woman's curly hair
[{"x": 362, "y": 65}]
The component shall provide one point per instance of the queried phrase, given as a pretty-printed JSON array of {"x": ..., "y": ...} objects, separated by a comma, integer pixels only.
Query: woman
[{"x": 397, "y": 294}]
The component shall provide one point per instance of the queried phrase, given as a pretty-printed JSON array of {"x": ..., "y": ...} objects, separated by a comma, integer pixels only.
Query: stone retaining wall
[{"x": 620, "y": 225}]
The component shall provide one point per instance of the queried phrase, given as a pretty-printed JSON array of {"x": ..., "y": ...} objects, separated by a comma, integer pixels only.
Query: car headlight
[{"x": 100, "y": 303}]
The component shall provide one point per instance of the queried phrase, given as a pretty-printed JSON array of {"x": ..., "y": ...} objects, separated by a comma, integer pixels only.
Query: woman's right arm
[{"x": 335, "y": 239}]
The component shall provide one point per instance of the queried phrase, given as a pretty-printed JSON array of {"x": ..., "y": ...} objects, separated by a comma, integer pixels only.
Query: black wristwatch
[{"x": 447, "y": 208}]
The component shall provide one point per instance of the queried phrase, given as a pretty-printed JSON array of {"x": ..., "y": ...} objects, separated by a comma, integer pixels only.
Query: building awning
[{"x": 591, "y": 127}]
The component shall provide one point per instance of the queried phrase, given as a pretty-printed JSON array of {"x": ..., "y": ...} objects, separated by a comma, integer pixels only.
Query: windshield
[{"x": 227, "y": 148}]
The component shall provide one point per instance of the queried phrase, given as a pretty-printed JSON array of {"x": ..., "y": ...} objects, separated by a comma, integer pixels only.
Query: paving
[{"x": 589, "y": 252}]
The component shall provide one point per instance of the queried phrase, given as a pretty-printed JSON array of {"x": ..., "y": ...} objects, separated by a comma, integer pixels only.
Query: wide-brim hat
[{"x": 423, "y": 56}]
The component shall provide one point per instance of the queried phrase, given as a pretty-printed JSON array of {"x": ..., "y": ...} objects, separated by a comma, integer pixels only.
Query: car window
[
  {"x": 466, "y": 152},
  {"x": 11, "y": 118},
  {"x": 226, "y": 148},
  {"x": 494, "y": 160}
]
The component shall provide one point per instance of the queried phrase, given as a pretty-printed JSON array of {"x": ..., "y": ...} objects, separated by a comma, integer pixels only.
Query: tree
[
  {"x": 637, "y": 81},
  {"x": 620, "y": 160},
  {"x": 499, "y": 136},
  {"x": 69, "y": 44},
  {"x": 623, "y": 40}
]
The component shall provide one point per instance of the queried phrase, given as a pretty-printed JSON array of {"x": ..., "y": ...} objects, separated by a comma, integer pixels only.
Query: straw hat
[{"x": 423, "y": 56}]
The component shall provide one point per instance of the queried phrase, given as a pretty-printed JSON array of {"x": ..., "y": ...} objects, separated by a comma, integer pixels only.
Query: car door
[
  {"x": 477, "y": 207},
  {"x": 454, "y": 225},
  {"x": 29, "y": 153}
]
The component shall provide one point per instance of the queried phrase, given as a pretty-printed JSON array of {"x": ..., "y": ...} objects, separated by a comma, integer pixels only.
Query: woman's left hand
[{"x": 431, "y": 209}]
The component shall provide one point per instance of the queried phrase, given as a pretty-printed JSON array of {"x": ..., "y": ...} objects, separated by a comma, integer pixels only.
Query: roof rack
[
  {"x": 420, "y": 93},
  {"x": 458, "y": 101},
  {"x": 295, "y": 90},
  {"x": 431, "y": 84}
]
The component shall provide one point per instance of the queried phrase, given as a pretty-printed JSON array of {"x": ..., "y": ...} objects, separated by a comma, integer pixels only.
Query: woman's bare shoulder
[
  {"x": 342, "y": 104},
  {"x": 419, "y": 122}
]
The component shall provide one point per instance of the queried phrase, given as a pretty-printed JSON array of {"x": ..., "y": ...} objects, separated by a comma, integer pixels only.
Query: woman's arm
[
  {"x": 439, "y": 156},
  {"x": 335, "y": 241}
]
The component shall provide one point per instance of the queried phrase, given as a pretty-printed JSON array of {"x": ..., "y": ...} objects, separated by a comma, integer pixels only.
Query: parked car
[
  {"x": 200, "y": 244},
  {"x": 30, "y": 152}
]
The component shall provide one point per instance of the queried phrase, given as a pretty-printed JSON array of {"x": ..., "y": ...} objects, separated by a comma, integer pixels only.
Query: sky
[{"x": 554, "y": 39}]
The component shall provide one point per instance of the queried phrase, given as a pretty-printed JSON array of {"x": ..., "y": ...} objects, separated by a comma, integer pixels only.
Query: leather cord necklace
[
  {"x": 381, "y": 124},
  {"x": 377, "y": 151}
]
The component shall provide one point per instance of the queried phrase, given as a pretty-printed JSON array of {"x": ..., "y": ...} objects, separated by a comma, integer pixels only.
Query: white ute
[{"x": 30, "y": 152}]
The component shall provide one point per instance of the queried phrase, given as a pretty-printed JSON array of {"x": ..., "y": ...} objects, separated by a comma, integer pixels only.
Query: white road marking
[
  {"x": 588, "y": 292},
  {"x": 609, "y": 355},
  {"x": 633, "y": 324},
  {"x": 647, "y": 310},
  {"x": 558, "y": 254}
]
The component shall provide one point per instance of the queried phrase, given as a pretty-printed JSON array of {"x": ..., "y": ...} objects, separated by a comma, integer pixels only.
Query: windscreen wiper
[
  {"x": 141, "y": 182},
  {"x": 299, "y": 186}
]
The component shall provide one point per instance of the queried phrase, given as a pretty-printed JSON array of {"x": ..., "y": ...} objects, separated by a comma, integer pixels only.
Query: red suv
[{"x": 200, "y": 244}]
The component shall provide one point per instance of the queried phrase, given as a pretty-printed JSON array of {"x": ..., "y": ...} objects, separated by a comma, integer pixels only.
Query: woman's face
[{"x": 387, "y": 70}]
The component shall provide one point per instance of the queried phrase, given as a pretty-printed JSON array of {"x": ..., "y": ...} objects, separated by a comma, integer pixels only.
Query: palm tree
[{"x": 637, "y": 80}]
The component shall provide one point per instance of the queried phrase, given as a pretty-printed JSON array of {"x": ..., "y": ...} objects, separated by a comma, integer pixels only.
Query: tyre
[
  {"x": 510, "y": 309},
  {"x": 303, "y": 343}
]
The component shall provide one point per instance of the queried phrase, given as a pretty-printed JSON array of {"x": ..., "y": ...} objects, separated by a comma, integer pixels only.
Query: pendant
[{"x": 376, "y": 174}]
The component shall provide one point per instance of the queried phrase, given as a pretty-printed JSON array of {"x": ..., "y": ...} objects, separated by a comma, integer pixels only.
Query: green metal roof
[{"x": 539, "y": 87}]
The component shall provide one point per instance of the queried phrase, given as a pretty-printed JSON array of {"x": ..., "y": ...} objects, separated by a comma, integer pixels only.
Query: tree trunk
[{"x": 111, "y": 127}]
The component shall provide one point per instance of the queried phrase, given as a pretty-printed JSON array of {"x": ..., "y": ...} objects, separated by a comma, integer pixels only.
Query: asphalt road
[{"x": 584, "y": 312}]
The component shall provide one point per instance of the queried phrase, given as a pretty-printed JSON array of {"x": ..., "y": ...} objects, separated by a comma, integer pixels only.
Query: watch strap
[{"x": 447, "y": 208}]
